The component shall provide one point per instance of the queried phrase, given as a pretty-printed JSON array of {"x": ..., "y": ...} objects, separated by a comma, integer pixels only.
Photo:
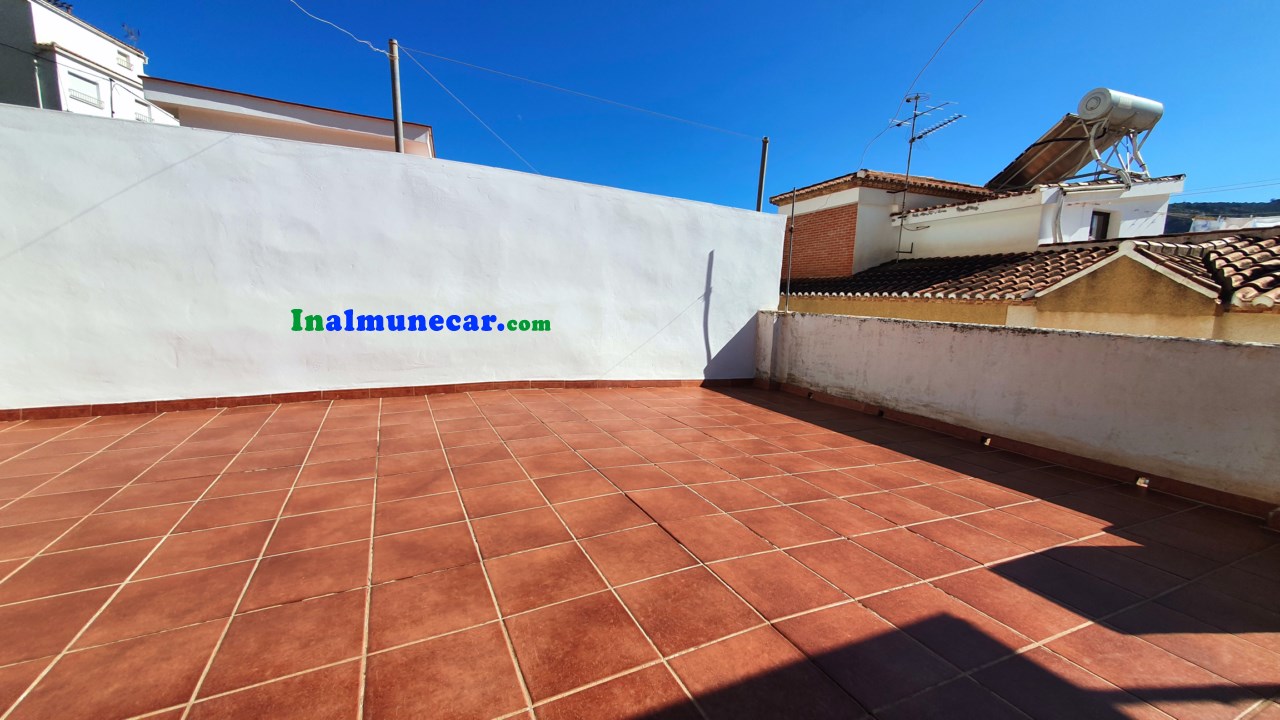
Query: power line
[
  {"x": 473, "y": 113},
  {"x": 1237, "y": 186},
  {"x": 588, "y": 96},
  {"x": 920, "y": 74},
  {"x": 339, "y": 28}
]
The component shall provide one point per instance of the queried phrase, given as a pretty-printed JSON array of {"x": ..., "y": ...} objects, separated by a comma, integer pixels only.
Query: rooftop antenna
[
  {"x": 916, "y": 114},
  {"x": 131, "y": 34}
]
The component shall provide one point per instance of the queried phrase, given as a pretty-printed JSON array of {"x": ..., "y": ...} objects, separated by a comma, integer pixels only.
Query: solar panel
[{"x": 1058, "y": 155}]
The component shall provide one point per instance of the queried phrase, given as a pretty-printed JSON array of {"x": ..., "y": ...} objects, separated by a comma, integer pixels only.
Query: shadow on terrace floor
[{"x": 1134, "y": 604}]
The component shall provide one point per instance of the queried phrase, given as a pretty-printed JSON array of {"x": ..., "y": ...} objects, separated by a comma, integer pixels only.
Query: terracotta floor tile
[
  {"x": 414, "y": 484},
  {"x": 152, "y": 494},
  {"x": 575, "y": 486},
  {"x": 465, "y": 675},
  {"x": 873, "y": 661},
  {"x": 761, "y": 675},
  {"x": 1047, "y": 687},
  {"x": 421, "y": 607},
  {"x": 206, "y": 548},
  {"x": 476, "y": 454},
  {"x": 471, "y": 476},
  {"x": 310, "y": 573},
  {"x": 1061, "y": 520},
  {"x": 75, "y": 570},
  {"x": 540, "y": 466},
  {"x": 687, "y": 609},
  {"x": 612, "y": 457},
  {"x": 963, "y": 636},
  {"x": 541, "y": 577},
  {"x": 331, "y": 527},
  {"x": 235, "y": 510},
  {"x": 695, "y": 471},
  {"x": 241, "y": 483},
  {"x": 42, "y": 628},
  {"x": 344, "y": 451},
  {"x": 280, "y": 441},
  {"x": 649, "y": 693},
  {"x": 496, "y": 499},
  {"x": 328, "y": 694},
  {"x": 777, "y": 585},
  {"x": 746, "y": 468},
  {"x": 1225, "y": 655},
  {"x": 1153, "y": 674},
  {"x": 461, "y": 425},
  {"x": 1216, "y": 534},
  {"x": 843, "y": 517},
  {"x": 191, "y": 467},
  {"x": 1117, "y": 569},
  {"x": 516, "y": 433},
  {"x": 734, "y": 495},
  {"x": 788, "y": 462},
  {"x": 635, "y": 554},
  {"x": 716, "y": 537},
  {"x": 851, "y": 568},
  {"x": 408, "y": 438},
  {"x": 641, "y": 439},
  {"x": 1016, "y": 530},
  {"x": 1066, "y": 585},
  {"x": 987, "y": 493},
  {"x": 416, "y": 513},
  {"x": 270, "y": 459},
  {"x": 639, "y": 477},
  {"x": 1155, "y": 554},
  {"x": 53, "y": 507},
  {"x": 881, "y": 477},
  {"x": 672, "y": 503},
  {"x": 422, "y": 551},
  {"x": 1008, "y": 602},
  {"x": 605, "y": 514},
  {"x": 603, "y": 641},
  {"x": 963, "y": 699},
  {"x": 287, "y": 639},
  {"x": 21, "y": 541},
  {"x": 342, "y": 470},
  {"x": 126, "y": 678},
  {"x": 913, "y": 553},
  {"x": 789, "y": 489},
  {"x": 838, "y": 483},
  {"x": 937, "y": 498},
  {"x": 967, "y": 540},
  {"x": 662, "y": 450},
  {"x": 540, "y": 445},
  {"x": 413, "y": 462},
  {"x": 784, "y": 527},
  {"x": 895, "y": 508},
  {"x": 15, "y": 679},
  {"x": 105, "y": 528},
  {"x": 150, "y": 606},
  {"x": 332, "y": 496}
]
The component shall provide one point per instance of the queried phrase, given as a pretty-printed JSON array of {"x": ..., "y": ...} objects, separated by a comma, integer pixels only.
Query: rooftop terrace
[{"x": 656, "y": 553}]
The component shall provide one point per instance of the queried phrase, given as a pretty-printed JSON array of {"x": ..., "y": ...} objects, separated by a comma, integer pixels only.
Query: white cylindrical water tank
[{"x": 1120, "y": 110}]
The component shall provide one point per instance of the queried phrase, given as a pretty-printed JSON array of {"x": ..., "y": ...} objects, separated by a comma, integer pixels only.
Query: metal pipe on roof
[
  {"x": 764, "y": 162},
  {"x": 397, "y": 117}
]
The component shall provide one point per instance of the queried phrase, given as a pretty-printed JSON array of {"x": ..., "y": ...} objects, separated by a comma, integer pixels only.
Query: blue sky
[{"x": 820, "y": 78}]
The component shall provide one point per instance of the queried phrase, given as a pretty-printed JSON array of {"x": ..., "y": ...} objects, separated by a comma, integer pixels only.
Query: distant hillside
[{"x": 1180, "y": 214}]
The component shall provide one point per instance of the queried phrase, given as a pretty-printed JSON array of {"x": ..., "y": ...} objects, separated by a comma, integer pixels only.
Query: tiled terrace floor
[{"x": 662, "y": 553}]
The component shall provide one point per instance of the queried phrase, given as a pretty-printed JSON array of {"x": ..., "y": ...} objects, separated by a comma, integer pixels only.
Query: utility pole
[
  {"x": 396, "y": 115},
  {"x": 764, "y": 161}
]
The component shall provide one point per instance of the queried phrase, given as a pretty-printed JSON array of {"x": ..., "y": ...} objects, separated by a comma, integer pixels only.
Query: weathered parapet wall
[
  {"x": 1199, "y": 411},
  {"x": 142, "y": 263}
]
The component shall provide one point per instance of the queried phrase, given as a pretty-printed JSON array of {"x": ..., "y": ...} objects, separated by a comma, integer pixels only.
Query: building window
[
  {"x": 142, "y": 111},
  {"x": 83, "y": 89},
  {"x": 1100, "y": 226},
  {"x": 123, "y": 59}
]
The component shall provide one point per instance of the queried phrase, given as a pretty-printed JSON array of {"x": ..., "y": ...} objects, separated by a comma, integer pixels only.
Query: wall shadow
[{"x": 1199, "y": 586}]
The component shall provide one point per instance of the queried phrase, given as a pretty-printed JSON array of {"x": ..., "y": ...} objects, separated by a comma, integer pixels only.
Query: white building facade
[{"x": 51, "y": 59}]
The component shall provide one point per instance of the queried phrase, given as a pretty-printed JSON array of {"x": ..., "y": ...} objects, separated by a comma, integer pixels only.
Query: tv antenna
[
  {"x": 916, "y": 114},
  {"x": 131, "y": 34}
]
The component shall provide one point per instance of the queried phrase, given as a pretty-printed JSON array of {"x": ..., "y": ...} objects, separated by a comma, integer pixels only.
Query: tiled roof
[
  {"x": 1248, "y": 267},
  {"x": 1007, "y": 276},
  {"x": 1242, "y": 271},
  {"x": 886, "y": 181}
]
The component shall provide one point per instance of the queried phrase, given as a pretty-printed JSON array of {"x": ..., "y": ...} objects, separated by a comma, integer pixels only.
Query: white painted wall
[
  {"x": 140, "y": 262},
  {"x": 55, "y": 26},
  {"x": 1044, "y": 387}
]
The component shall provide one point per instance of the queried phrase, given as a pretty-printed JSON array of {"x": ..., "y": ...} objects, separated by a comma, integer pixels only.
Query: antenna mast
[{"x": 916, "y": 113}]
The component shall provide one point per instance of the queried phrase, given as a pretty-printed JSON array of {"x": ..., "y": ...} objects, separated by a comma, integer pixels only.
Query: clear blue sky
[{"x": 820, "y": 78}]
